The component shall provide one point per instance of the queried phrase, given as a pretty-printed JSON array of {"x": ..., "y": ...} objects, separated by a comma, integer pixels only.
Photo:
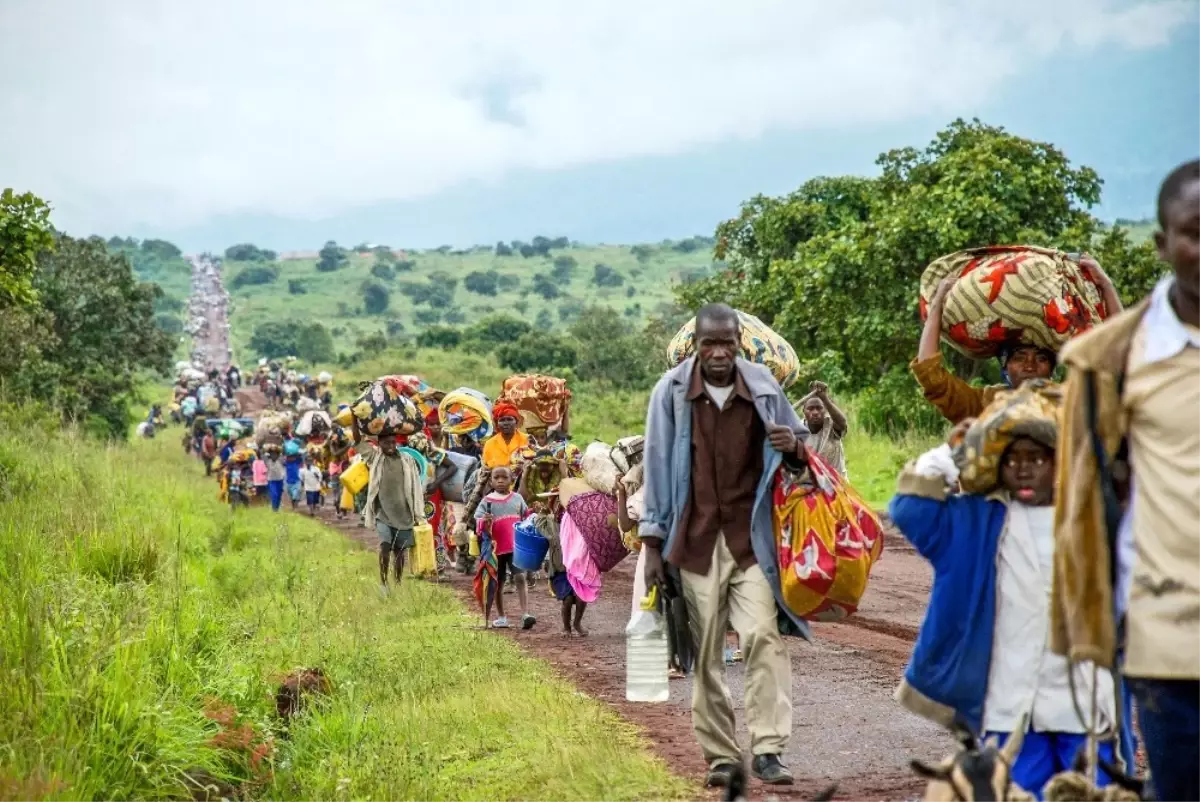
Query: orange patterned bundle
[
  {"x": 827, "y": 539},
  {"x": 1007, "y": 294},
  {"x": 545, "y": 396}
]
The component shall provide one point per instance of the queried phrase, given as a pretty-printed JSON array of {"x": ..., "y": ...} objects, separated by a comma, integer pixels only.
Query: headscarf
[
  {"x": 433, "y": 417},
  {"x": 504, "y": 409},
  {"x": 1006, "y": 351},
  {"x": 1031, "y": 411}
]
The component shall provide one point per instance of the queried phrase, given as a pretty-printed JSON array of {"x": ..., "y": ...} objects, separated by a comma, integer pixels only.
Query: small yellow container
[
  {"x": 355, "y": 477},
  {"x": 473, "y": 544}
]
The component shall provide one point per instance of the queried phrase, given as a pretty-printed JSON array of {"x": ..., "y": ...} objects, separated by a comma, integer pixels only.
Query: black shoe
[
  {"x": 770, "y": 770},
  {"x": 720, "y": 775}
]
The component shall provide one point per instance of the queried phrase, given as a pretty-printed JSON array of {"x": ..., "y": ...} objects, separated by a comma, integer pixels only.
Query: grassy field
[
  {"x": 145, "y": 629},
  {"x": 335, "y": 298}
]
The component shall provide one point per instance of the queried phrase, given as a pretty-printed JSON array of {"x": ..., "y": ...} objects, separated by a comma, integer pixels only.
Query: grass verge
[{"x": 145, "y": 630}]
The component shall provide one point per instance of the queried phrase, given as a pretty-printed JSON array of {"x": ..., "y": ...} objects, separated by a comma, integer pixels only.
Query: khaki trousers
[{"x": 729, "y": 595}]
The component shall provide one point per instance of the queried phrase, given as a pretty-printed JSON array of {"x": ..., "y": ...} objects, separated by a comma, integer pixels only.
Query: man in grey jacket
[{"x": 717, "y": 430}]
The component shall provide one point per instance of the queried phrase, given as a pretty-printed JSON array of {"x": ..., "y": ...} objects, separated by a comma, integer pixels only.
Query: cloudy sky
[{"x": 289, "y": 122}]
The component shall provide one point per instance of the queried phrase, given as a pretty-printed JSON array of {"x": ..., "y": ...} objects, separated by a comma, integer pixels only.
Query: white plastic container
[{"x": 646, "y": 658}]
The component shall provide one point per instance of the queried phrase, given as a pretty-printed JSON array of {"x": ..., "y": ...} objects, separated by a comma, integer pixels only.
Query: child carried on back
[{"x": 982, "y": 654}]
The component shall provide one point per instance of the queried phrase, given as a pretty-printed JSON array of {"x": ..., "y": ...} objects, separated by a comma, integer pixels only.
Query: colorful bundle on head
[
  {"x": 384, "y": 407},
  {"x": 760, "y": 345},
  {"x": 1010, "y": 294},
  {"x": 1031, "y": 411},
  {"x": 466, "y": 412},
  {"x": 547, "y": 397}
]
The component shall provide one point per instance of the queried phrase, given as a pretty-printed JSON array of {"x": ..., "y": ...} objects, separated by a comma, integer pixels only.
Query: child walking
[
  {"x": 311, "y": 478},
  {"x": 495, "y": 518},
  {"x": 982, "y": 654}
]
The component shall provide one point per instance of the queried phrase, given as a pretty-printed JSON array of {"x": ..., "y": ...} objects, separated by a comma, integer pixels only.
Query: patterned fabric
[
  {"x": 582, "y": 572},
  {"x": 545, "y": 396},
  {"x": 595, "y": 514},
  {"x": 827, "y": 539},
  {"x": 828, "y": 444},
  {"x": 759, "y": 344},
  {"x": 466, "y": 412},
  {"x": 1031, "y": 411},
  {"x": 1009, "y": 294},
  {"x": 384, "y": 407},
  {"x": 485, "y": 573}
]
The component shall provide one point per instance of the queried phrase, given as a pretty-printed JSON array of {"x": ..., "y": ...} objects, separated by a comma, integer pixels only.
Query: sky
[{"x": 291, "y": 122}]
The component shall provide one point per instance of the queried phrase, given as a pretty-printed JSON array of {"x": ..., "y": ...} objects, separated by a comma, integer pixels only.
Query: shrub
[
  {"x": 249, "y": 253},
  {"x": 502, "y": 249},
  {"x": 564, "y": 268},
  {"x": 376, "y": 297},
  {"x": 427, "y": 317},
  {"x": 537, "y": 351},
  {"x": 384, "y": 271},
  {"x": 496, "y": 330},
  {"x": 331, "y": 258},
  {"x": 482, "y": 283},
  {"x": 605, "y": 276},
  {"x": 296, "y": 287},
  {"x": 405, "y": 265},
  {"x": 250, "y": 276},
  {"x": 895, "y": 405},
  {"x": 445, "y": 337},
  {"x": 544, "y": 286}
]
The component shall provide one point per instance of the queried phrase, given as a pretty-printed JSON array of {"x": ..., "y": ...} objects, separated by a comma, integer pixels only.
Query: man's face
[
  {"x": 507, "y": 425},
  {"x": 1028, "y": 363},
  {"x": 1179, "y": 241},
  {"x": 717, "y": 348},
  {"x": 388, "y": 445},
  {"x": 814, "y": 414}
]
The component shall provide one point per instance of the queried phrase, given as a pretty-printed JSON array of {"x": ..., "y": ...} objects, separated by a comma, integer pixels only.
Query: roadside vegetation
[{"x": 146, "y": 630}]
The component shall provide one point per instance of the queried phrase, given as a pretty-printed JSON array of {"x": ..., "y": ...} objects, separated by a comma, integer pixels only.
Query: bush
[
  {"x": 250, "y": 276},
  {"x": 296, "y": 287},
  {"x": 395, "y": 327},
  {"x": 311, "y": 342},
  {"x": 384, "y": 271},
  {"x": 545, "y": 286},
  {"x": 508, "y": 282},
  {"x": 331, "y": 258},
  {"x": 482, "y": 283},
  {"x": 545, "y": 321},
  {"x": 614, "y": 353},
  {"x": 502, "y": 249},
  {"x": 455, "y": 315},
  {"x": 605, "y": 276},
  {"x": 537, "y": 352},
  {"x": 376, "y": 297},
  {"x": 405, "y": 265},
  {"x": 495, "y": 330},
  {"x": 372, "y": 343},
  {"x": 171, "y": 324},
  {"x": 564, "y": 268},
  {"x": 642, "y": 252},
  {"x": 445, "y": 337},
  {"x": 427, "y": 317},
  {"x": 249, "y": 253},
  {"x": 895, "y": 405}
]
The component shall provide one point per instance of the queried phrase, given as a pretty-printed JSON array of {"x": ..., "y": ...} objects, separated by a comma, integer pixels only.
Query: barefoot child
[
  {"x": 572, "y": 606},
  {"x": 982, "y": 653},
  {"x": 496, "y": 516}
]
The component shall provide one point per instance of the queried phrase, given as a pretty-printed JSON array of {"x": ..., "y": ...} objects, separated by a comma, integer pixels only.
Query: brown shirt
[{"x": 727, "y": 462}]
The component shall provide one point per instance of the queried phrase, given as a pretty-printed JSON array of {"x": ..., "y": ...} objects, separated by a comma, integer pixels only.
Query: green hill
[{"x": 444, "y": 286}]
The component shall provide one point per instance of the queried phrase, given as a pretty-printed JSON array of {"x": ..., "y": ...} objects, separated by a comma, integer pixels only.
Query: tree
[
  {"x": 274, "y": 339},
  {"x": 564, "y": 268},
  {"x": 427, "y": 317},
  {"x": 540, "y": 351},
  {"x": 446, "y": 337},
  {"x": 296, "y": 287},
  {"x": 25, "y": 232},
  {"x": 376, "y": 297},
  {"x": 605, "y": 276},
  {"x": 395, "y": 327},
  {"x": 373, "y": 342},
  {"x": 545, "y": 286},
  {"x": 405, "y": 265},
  {"x": 494, "y": 330},
  {"x": 834, "y": 266},
  {"x": 544, "y": 322},
  {"x": 528, "y": 251},
  {"x": 560, "y": 242},
  {"x": 246, "y": 252},
  {"x": 331, "y": 258},
  {"x": 482, "y": 283},
  {"x": 508, "y": 282},
  {"x": 502, "y": 249},
  {"x": 89, "y": 337},
  {"x": 1139, "y": 265},
  {"x": 383, "y": 270},
  {"x": 614, "y": 353},
  {"x": 455, "y": 315},
  {"x": 257, "y": 274},
  {"x": 642, "y": 252},
  {"x": 314, "y": 343}
]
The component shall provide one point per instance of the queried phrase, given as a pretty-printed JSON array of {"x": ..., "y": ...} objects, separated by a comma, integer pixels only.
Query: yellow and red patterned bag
[
  {"x": 1007, "y": 294},
  {"x": 827, "y": 539}
]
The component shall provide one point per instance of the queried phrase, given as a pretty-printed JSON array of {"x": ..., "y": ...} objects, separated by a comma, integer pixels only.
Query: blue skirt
[{"x": 561, "y": 586}]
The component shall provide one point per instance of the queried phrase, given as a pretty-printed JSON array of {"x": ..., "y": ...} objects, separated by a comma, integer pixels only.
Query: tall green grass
[{"x": 144, "y": 629}]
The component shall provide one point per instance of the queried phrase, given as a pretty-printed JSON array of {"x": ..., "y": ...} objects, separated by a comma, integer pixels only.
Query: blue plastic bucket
[{"x": 529, "y": 548}]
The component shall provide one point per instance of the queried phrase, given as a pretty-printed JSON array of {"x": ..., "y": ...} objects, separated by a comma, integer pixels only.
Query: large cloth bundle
[
  {"x": 596, "y": 516},
  {"x": 827, "y": 539},
  {"x": 545, "y": 396},
  {"x": 314, "y": 422},
  {"x": 1031, "y": 411},
  {"x": 384, "y": 408},
  {"x": 456, "y": 487},
  {"x": 466, "y": 412},
  {"x": 1009, "y": 294},
  {"x": 602, "y": 464},
  {"x": 270, "y": 427},
  {"x": 306, "y": 404},
  {"x": 759, "y": 344}
]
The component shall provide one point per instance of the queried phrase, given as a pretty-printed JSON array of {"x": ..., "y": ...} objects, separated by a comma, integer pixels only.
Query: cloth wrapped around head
[
  {"x": 1031, "y": 411},
  {"x": 433, "y": 417},
  {"x": 503, "y": 409}
]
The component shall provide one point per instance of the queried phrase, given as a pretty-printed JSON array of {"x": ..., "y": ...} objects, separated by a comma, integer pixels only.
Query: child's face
[
  {"x": 1179, "y": 241},
  {"x": 501, "y": 480},
  {"x": 1027, "y": 472}
]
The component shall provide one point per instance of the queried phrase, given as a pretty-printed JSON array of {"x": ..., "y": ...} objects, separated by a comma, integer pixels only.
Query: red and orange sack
[
  {"x": 1007, "y": 294},
  {"x": 546, "y": 397},
  {"x": 827, "y": 539}
]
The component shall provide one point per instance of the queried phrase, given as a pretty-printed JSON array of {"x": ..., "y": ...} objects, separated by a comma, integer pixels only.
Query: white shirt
[
  {"x": 719, "y": 395},
  {"x": 1165, "y": 336},
  {"x": 311, "y": 479},
  {"x": 1025, "y": 677}
]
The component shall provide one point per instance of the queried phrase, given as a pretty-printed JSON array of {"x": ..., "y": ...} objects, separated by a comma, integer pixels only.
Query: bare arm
[
  {"x": 835, "y": 415},
  {"x": 931, "y": 335},
  {"x": 1108, "y": 292},
  {"x": 625, "y": 523}
]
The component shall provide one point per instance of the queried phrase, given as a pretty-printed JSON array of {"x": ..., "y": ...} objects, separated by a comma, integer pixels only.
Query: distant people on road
[{"x": 826, "y": 425}]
